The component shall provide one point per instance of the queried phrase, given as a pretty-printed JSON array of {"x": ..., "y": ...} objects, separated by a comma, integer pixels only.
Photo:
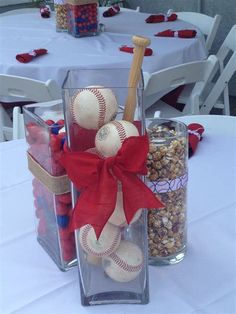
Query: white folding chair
[
  {"x": 208, "y": 25},
  {"x": 17, "y": 88},
  {"x": 218, "y": 96},
  {"x": 197, "y": 72}
]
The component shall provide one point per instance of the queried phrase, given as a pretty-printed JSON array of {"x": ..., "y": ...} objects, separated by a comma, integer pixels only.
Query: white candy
[
  {"x": 118, "y": 216},
  {"x": 125, "y": 263},
  {"x": 107, "y": 243},
  {"x": 110, "y": 137},
  {"x": 94, "y": 106}
]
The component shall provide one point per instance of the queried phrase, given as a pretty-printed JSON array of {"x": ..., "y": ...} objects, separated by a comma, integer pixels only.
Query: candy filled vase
[
  {"x": 112, "y": 253},
  {"x": 45, "y": 136}
]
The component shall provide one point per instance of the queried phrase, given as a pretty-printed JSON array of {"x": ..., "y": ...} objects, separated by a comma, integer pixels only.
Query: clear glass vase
[
  {"x": 45, "y": 135},
  {"x": 82, "y": 17},
  {"x": 167, "y": 177},
  {"x": 114, "y": 272},
  {"x": 61, "y": 15}
]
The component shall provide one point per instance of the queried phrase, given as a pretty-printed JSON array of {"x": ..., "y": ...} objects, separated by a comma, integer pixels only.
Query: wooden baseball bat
[{"x": 140, "y": 43}]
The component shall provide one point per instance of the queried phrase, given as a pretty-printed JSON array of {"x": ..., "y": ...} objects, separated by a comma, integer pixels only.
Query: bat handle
[{"x": 140, "y": 44}]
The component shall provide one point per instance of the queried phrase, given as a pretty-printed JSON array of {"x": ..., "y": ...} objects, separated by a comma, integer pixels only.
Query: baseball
[
  {"x": 118, "y": 216},
  {"x": 93, "y": 259},
  {"x": 107, "y": 243},
  {"x": 110, "y": 136},
  {"x": 94, "y": 106},
  {"x": 125, "y": 263}
]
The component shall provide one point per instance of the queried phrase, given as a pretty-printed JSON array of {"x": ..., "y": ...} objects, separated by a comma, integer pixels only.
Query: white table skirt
[
  {"x": 24, "y": 32},
  {"x": 204, "y": 282}
]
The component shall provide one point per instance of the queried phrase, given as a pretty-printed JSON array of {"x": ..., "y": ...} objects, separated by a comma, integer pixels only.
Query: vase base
[
  {"x": 55, "y": 256},
  {"x": 167, "y": 260},
  {"x": 115, "y": 297}
]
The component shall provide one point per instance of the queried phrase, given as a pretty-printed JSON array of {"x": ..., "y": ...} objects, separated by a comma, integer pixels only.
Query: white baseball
[
  {"x": 107, "y": 243},
  {"x": 125, "y": 263},
  {"x": 94, "y": 106},
  {"x": 110, "y": 137},
  {"x": 93, "y": 259},
  {"x": 118, "y": 216}
]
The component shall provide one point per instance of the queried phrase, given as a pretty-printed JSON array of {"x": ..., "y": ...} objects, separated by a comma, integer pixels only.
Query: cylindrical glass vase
[
  {"x": 112, "y": 269},
  {"x": 61, "y": 15},
  {"x": 45, "y": 135},
  {"x": 167, "y": 178}
]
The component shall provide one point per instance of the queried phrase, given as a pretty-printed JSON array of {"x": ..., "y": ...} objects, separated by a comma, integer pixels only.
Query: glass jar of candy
[
  {"x": 60, "y": 15},
  {"x": 82, "y": 17},
  {"x": 112, "y": 254},
  {"x": 167, "y": 178},
  {"x": 45, "y": 135}
]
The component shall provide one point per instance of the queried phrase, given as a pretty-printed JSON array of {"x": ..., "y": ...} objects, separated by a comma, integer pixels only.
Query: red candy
[
  {"x": 64, "y": 198},
  {"x": 49, "y": 122},
  {"x": 55, "y": 143}
]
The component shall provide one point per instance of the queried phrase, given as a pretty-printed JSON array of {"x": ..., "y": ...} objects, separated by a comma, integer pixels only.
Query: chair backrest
[
  {"x": 26, "y": 89},
  {"x": 17, "y": 88},
  {"x": 227, "y": 69},
  {"x": 208, "y": 25},
  {"x": 172, "y": 77}
]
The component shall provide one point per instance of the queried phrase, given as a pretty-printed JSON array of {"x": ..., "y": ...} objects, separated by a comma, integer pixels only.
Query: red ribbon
[{"x": 96, "y": 178}]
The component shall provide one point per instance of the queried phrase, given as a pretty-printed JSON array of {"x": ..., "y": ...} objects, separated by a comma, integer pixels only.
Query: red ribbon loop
[{"x": 97, "y": 178}]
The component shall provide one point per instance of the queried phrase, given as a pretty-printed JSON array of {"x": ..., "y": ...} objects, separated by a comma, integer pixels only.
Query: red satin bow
[{"x": 96, "y": 178}]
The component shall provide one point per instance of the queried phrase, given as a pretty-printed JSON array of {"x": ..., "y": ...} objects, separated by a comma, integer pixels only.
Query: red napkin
[
  {"x": 195, "y": 131},
  {"x": 27, "y": 57},
  {"x": 158, "y": 18},
  {"x": 115, "y": 9},
  {"x": 184, "y": 33},
  {"x": 45, "y": 11},
  {"x": 148, "y": 51}
]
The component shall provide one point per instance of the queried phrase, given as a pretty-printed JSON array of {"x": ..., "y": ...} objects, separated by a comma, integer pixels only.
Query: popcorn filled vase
[
  {"x": 82, "y": 17},
  {"x": 167, "y": 178},
  {"x": 45, "y": 135},
  {"x": 61, "y": 15},
  {"x": 106, "y": 162}
]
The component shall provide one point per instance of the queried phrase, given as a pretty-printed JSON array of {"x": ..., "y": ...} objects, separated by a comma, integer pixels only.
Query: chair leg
[{"x": 226, "y": 109}]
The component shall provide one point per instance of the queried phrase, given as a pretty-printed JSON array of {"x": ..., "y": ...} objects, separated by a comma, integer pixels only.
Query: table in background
[
  {"x": 24, "y": 32},
  {"x": 204, "y": 282}
]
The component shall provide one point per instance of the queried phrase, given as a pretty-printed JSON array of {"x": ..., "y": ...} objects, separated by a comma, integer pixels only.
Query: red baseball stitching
[
  {"x": 125, "y": 266},
  {"x": 72, "y": 105},
  {"x": 120, "y": 129},
  {"x": 85, "y": 246},
  {"x": 101, "y": 105}
]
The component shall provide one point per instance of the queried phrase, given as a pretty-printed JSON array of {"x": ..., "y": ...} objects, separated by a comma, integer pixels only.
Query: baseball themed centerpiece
[{"x": 106, "y": 162}]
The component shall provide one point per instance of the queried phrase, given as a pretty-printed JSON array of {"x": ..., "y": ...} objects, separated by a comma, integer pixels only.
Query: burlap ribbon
[{"x": 56, "y": 184}]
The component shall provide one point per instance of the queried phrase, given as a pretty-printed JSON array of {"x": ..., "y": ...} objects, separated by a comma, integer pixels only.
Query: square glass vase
[
  {"x": 82, "y": 17},
  {"x": 45, "y": 135},
  {"x": 118, "y": 273}
]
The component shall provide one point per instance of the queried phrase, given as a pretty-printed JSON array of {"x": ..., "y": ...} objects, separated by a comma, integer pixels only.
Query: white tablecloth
[
  {"x": 24, "y": 32},
  {"x": 203, "y": 283}
]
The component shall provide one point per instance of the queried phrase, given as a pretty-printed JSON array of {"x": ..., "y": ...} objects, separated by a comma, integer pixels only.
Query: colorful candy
[{"x": 82, "y": 19}]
